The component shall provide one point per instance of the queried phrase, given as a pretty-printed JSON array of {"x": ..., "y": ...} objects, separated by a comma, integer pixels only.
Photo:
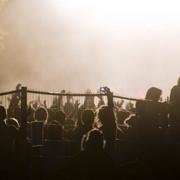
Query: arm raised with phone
[{"x": 107, "y": 118}]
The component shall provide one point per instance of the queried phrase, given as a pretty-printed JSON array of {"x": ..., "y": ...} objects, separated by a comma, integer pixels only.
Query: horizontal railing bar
[
  {"x": 63, "y": 94},
  {"x": 9, "y": 92},
  {"x": 134, "y": 99},
  {"x": 70, "y": 94},
  {"x": 127, "y": 98}
]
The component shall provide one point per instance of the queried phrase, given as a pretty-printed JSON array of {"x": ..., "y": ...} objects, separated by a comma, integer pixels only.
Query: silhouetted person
[
  {"x": 3, "y": 115},
  {"x": 174, "y": 130},
  {"x": 41, "y": 114},
  {"x": 130, "y": 136},
  {"x": 175, "y": 105},
  {"x": 12, "y": 130},
  {"x": 8, "y": 134},
  {"x": 37, "y": 131},
  {"x": 3, "y": 132},
  {"x": 149, "y": 116},
  {"x": 92, "y": 162},
  {"x": 59, "y": 116},
  {"x": 148, "y": 111},
  {"x": 87, "y": 124},
  {"x": 17, "y": 114},
  {"x": 121, "y": 116},
  {"x": 89, "y": 101},
  {"x": 100, "y": 102},
  {"x": 107, "y": 119},
  {"x": 55, "y": 128},
  {"x": 69, "y": 108},
  {"x": 14, "y": 102},
  {"x": 12, "y": 122},
  {"x": 130, "y": 123}
]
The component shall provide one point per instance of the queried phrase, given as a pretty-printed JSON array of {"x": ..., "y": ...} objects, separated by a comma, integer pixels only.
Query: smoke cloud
[{"x": 54, "y": 45}]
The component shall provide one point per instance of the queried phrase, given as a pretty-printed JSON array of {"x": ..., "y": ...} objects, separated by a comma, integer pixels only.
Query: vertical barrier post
[
  {"x": 24, "y": 111},
  {"x": 23, "y": 133}
]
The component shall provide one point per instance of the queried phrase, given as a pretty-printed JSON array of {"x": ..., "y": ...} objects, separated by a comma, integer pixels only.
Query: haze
[{"x": 78, "y": 44}]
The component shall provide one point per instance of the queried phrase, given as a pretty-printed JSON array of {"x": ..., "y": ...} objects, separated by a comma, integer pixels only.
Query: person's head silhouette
[
  {"x": 88, "y": 118},
  {"x": 41, "y": 114},
  {"x": 94, "y": 141},
  {"x": 12, "y": 122},
  {"x": 106, "y": 116},
  {"x": 60, "y": 117},
  {"x": 153, "y": 94}
]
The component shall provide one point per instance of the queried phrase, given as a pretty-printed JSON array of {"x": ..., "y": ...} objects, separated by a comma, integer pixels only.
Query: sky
[{"x": 79, "y": 44}]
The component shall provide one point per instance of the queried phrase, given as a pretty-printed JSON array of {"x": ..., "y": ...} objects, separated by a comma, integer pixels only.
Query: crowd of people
[{"x": 143, "y": 139}]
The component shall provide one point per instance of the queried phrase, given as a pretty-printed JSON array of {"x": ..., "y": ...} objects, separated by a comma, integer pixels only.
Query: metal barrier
[{"x": 27, "y": 95}]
